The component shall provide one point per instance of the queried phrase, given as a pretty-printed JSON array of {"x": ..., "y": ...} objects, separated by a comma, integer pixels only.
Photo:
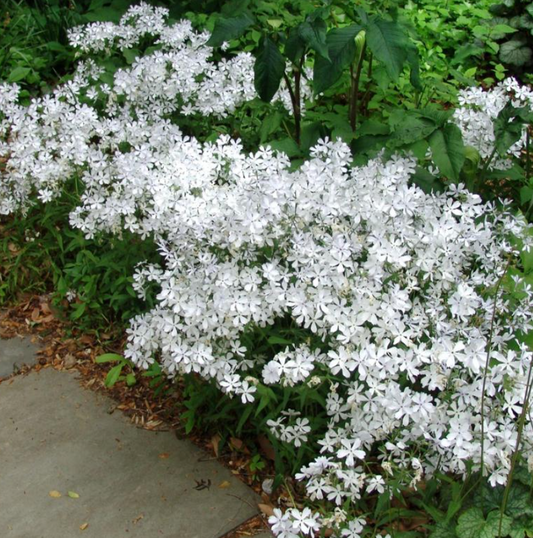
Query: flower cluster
[
  {"x": 83, "y": 122},
  {"x": 477, "y": 112},
  {"x": 405, "y": 319}
]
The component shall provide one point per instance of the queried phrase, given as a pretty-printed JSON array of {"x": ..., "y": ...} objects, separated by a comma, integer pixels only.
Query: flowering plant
[{"x": 388, "y": 317}]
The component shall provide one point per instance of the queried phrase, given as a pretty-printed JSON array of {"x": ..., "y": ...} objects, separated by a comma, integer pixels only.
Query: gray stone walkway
[
  {"x": 15, "y": 353},
  {"x": 125, "y": 482}
]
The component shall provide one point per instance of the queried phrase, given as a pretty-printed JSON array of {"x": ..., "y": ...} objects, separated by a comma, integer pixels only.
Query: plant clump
[{"x": 387, "y": 317}]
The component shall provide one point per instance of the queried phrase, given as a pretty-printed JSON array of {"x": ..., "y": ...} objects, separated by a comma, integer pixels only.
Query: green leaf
[
  {"x": 373, "y": 127},
  {"x": 466, "y": 51},
  {"x": 408, "y": 128},
  {"x": 270, "y": 125},
  {"x": 131, "y": 55},
  {"x": 514, "y": 52},
  {"x": 426, "y": 181},
  {"x": 109, "y": 357},
  {"x": 113, "y": 375},
  {"x": 519, "y": 502},
  {"x": 508, "y": 126},
  {"x": 244, "y": 417},
  {"x": 448, "y": 150},
  {"x": 388, "y": 43},
  {"x": 472, "y": 524},
  {"x": 277, "y": 340},
  {"x": 286, "y": 145},
  {"x": 131, "y": 380},
  {"x": 341, "y": 47},
  {"x": 268, "y": 70},
  {"x": 234, "y": 7},
  {"x": 314, "y": 34},
  {"x": 412, "y": 60},
  {"x": 500, "y": 30},
  {"x": 295, "y": 46},
  {"x": 227, "y": 29},
  {"x": 18, "y": 74},
  {"x": 443, "y": 530}
]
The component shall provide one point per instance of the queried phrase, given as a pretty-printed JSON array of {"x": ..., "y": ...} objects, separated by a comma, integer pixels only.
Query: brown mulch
[{"x": 63, "y": 347}]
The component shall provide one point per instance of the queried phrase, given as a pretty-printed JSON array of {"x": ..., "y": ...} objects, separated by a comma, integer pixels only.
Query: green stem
[
  {"x": 486, "y": 165},
  {"x": 487, "y": 363},
  {"x": 521, "y": 423}
]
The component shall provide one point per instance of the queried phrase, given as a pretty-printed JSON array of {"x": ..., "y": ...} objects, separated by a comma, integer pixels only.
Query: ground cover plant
[{"x": 376, "y": 331}]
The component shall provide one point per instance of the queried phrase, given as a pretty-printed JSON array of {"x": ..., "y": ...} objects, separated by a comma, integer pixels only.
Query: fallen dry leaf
[
  {"x": 215, "y": 443},
  {"x": 164, "y": 455},
  {"x": 137, "y": 519},
  {"x": 224, "y": 485},
  {"x": 266, "y": 509},
  {"x": 73, "y": 495},
  {"x": 266, "y": 447},
  {"x": 55, "y": 494},
  {"x": 236, "y": 443},
  {"x": 84, "y": 526}
]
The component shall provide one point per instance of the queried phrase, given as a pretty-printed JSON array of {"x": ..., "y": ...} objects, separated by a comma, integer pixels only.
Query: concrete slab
[
  {"x": 16, "y": 352},
  {"x": 132, "y": 483}
]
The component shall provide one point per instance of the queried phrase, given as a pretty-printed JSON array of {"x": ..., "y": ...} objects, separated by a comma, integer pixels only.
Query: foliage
[{"x": 513, "y": 22}]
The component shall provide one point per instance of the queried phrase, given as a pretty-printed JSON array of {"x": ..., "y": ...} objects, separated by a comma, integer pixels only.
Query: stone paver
[
  {"x": 14, "y": 353},
  {"x": 131, "y": 483}
]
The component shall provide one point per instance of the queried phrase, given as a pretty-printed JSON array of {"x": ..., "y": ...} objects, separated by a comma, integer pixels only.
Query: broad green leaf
[
  {"x": 412, "y": 60},
  {"x": 508, "y": 127},
  {"x": 448, "y": 150},
  {"x": 286, "y": 145},
  {"x": 234, "y": 7},
  {"x": 113, "y": 375},
  {"x": 409, "y": 128},
  {"x": 519, "y": 502},
  {"x": 440, "y": 117},
  {"x": 270, "y": 125},
  {"x": 426, "y": 181},
  {"x": 500, "y": 30},
  {"x": 373, "y": 127},
  {"x": 18, "y": 74},
  {"x": 341, "y": 47},
  {"x": 388, "y": 43},
  {"x": 295, "y": 46},
  {"x": 109, "y": 357},
  {"x": 227, "y": 29},
  {"x": 466, "y": 51},
  {"x": 275, "y": 23},
  {"x": 514, "y": 52},
  {"x": 131, "y": 55},
  {"x": 268, "y": 70},
  {"x": 311, "y": 133},
  {"x": 472, "y": 524},
  {"x": 443, "y": 530},
  {"x": 314, "y": 34}
]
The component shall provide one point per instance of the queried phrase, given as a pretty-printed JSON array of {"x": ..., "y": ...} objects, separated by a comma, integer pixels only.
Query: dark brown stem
[
  {"x": 295, "y": 101},
  {"x": 366, "y": 96},
  {"x": 355, "y": 90}
]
